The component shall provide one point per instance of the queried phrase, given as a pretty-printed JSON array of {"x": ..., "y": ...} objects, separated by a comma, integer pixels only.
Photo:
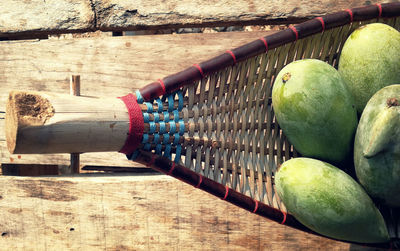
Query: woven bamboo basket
[{"x": 212, "y": 125}]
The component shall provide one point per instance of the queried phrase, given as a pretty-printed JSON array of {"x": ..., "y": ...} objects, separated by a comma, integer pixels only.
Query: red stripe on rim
[
  {"x": 162, "y": 85},
  {"x": 294, "y": 31},
  {"x": 200, "y": 180},
  {"x": 200, "y": 70},
  {"x": 233, "y": 55},
  {"x": 255, "y": 207},
  {"x": 226, "y": 192},
  {"x": 379, "y": 9},
  {"x": 265, "y": 43},
  {"x": 284, "y": 218},
  {"x": 172, "y": 169},
  {"x": 322, "y": 22},
  {"x": 350, "y": 13}
]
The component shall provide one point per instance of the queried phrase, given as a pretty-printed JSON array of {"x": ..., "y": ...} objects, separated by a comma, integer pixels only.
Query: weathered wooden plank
[
  {"x": 132, "y": 213},
  {"x": 108, "y": 66},
  {"x": 40, "y": 17},
  {"x": 60, "y": 16}
]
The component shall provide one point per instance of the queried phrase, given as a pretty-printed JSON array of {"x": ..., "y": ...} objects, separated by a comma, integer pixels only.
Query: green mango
[
  {"x": 370, "y": 60},
  {"x": 377, "y": 146},
  {"x": 329, "y": 202},
  {"x": 315, "y": 110}
]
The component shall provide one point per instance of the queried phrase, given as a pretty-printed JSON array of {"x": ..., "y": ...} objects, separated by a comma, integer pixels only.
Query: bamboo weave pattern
[{"x": 223, "y": 126}]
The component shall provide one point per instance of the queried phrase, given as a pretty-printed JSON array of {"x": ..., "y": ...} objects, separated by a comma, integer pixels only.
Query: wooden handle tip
[{"x": 24, "y": 109}]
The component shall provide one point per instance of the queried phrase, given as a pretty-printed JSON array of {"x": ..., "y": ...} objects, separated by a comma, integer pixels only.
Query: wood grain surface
[
  {"x": 22, "y": 17},
  {"x": 147, "y": 212}
]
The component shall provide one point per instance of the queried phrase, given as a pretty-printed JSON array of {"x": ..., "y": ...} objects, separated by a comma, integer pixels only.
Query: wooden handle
[{"x": 38, "y": 122}]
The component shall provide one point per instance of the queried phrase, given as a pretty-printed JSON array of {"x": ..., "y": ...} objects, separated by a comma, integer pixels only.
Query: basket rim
[{"x": 198, "y": 71}]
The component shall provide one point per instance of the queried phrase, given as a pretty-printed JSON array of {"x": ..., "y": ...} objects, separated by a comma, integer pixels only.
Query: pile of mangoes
[{"x": 345, "y": 123}]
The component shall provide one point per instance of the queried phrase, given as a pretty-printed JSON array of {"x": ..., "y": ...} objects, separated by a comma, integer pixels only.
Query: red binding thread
[
  {"x": 380, "y": 9},
  {"x": 351, "y": 14},
  {"x": 200, "y": 180},
  {"x": 295, "y": 31},
  {"x": 284, "y": 218},
  {"x": 172, "y": 169},
  {"x": 162, "y": 85},
  {"x": 200, "y": 70},
  {"x": 322, "y": 22},
  {"x": 233, "y": 55},
  {"x": 226, "y": 193},
  {"x": 265, "y": 43},
  {"x": 255, "y": 207},
  {"x": 136, "y": 124}
]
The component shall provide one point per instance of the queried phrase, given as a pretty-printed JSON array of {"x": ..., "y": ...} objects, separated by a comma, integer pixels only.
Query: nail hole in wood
[
  {"x": 71, "y": 229},
  {"x": 4, "y": 234}
]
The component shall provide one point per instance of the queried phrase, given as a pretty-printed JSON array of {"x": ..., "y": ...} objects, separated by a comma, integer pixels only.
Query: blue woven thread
[
  {"x": 176, "y": 115},
  {"x": 160, "y": 105},
  {"x": 176, "y": 139},
  {"x": 178, "y": 153},
  {"x": 171, "y": 102},
  {"x": 180, "y": 101},
  {"x": 172, "y": 127},
  {"x": 145, "y": 138},
  {"x": 166, "y": 139},
  {"x": 167, "y": 152},
  {"x": 162, "y": 127},
  {"x": 139, "y": 97},
  {"x": 133, "y": 156},
  {"x": 147, "y": 146},
  {"x": 146, "y": 117},
  {"x": 152, "y": 127},
  {"x": 158, "y": 149},
  {"x": 166, "y": 116},
  {"x": 156, "y": 139},
  {"x": 156, "y": 117},
  {"x": 149, "y": 107},
  {"x": 181, "y": 127}
]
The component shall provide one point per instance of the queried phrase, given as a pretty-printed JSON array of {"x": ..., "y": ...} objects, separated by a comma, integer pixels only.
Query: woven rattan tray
[{"x": 212, "y": 125}]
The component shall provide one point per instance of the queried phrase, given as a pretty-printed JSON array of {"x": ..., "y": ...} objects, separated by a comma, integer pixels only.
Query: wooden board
[
  {"x": 108, "y": 66},
  {"x": 60, "y": 16},
  {"x": 132, "y": 213}
]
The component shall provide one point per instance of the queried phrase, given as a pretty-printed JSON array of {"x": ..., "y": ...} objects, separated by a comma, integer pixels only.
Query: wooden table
[{"x": 142, "y": 211}]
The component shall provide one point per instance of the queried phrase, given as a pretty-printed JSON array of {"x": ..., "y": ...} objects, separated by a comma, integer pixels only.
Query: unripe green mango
[
  {"x": 315, "y": 110},
  {"x": 370, "y": 60},
  {"x": 328, "y": 201},
  {"x": 377, "y": 146}
]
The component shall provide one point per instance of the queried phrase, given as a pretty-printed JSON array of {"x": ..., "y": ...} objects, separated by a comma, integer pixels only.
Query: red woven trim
[
  {"x": 322, "y": 22},
  {"x": 200, "y": 180},
  {"x": 162, "y": 85},
  {"x": 255, "y": 207},
  {"x": 294, "y": 31},
  {"x": 284, "y": 218},
  {"x": 379, "y": 9},
  {"x": 226, "y": 193},
  {"x": 233, "y": 55},
  {"x": 172, "y": 169},
  {"x": 200, "y": 70},
  {"x": 350, "y": 13},
  {"x": 136, "y": 124},
  {"x": 265, "y": 43}
]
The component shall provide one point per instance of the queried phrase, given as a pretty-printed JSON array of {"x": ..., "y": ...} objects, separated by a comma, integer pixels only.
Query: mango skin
[
  {"x": 328, "y": 201},
  {"x": 315, "y": 110},
  {"x": 370, "y": 60},
  {"x": 377, "y": 146}
]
